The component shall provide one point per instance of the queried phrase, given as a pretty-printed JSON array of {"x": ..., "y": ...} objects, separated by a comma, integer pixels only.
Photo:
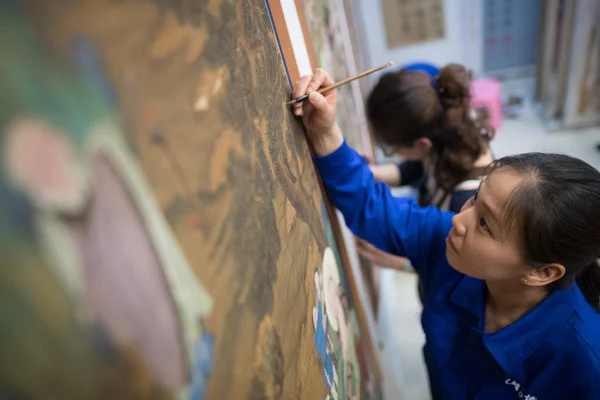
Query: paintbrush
[{"x": 340, "y": 83}]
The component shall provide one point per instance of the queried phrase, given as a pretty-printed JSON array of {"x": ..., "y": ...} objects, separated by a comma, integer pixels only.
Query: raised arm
[
  {"x": 406, "y": 173},
  {"x": 393, "y": 224},
  {"x": 396, "y": 225},
  {"x": 386, "y": 173}
]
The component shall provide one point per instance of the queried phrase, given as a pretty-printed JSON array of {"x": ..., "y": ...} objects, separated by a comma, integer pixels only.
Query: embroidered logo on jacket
[{"x": 518, "y": 388}]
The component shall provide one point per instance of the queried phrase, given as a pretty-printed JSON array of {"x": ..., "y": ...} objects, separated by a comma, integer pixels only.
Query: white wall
[{"x": 463, "y": 43}]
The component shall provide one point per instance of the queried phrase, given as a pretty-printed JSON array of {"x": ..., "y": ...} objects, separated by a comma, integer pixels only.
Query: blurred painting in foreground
[
  {"x": 161, "y": 222},
  {"x": 97, "y": 298}
]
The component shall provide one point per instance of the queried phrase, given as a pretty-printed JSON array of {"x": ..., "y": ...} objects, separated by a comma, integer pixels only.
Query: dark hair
[
  {"x": 556, "y": 209},
  {"x": 406, "y": 105}
]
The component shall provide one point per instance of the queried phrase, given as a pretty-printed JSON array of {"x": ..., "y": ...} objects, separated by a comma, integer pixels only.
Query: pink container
[{"x": 486, "y": 92}]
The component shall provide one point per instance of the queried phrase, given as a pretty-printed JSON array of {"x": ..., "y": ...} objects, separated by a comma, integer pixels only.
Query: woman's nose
[{"x": 458, "y": 222}]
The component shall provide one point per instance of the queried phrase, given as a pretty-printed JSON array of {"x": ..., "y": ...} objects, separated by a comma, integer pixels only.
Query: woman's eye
[
  {"x": 483, "y": 224},
  {"x": 475, "y": 196}
]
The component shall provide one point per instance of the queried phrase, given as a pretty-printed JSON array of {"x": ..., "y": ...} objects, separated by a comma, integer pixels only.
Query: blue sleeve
[
  {"x": 459, "y": 198},
  {"x": 393, "y": 224},
  {"x": 410, "y": 172}
]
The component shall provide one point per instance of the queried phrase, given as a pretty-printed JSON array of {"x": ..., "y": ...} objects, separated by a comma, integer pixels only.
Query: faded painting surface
[{"x": 160, "y": 215}]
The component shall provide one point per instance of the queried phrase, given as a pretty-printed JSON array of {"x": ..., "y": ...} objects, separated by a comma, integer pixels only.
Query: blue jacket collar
[{"x": 512, "y": 345}]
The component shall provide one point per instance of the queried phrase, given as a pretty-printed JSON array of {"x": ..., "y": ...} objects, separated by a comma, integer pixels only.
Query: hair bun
[{"x": 454, "y": 83}]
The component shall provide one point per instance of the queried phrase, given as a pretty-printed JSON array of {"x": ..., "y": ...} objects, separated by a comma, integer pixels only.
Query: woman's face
[{"x": 480, "y": 245}]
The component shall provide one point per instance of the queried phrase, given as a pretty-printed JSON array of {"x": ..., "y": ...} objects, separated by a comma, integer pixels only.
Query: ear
[
  {"x": 424, "y": 145},
  {"x": 545, "y": 275}
]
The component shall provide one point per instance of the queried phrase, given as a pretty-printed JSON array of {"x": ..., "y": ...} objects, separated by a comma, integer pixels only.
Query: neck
[{"x": 507, "y": 302}]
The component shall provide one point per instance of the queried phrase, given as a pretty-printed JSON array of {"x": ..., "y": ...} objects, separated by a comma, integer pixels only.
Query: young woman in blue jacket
[{"x": 511, "y": 283}]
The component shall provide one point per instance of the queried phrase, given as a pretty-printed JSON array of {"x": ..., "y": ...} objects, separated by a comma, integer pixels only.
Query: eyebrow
[{"x": 493, "y": 216}]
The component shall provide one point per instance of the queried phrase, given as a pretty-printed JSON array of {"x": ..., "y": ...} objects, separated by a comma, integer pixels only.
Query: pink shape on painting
[
  {"x": 41, "y": 160},
  {"x": 125, "y": 285}
]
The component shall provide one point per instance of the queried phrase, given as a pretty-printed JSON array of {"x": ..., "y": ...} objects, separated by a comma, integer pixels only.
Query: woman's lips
[{"x": 450, "y": 243}]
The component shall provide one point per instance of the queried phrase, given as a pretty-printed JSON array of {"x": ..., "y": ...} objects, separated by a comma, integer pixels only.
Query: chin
[
  {"x": 453, "y": 262},
  {"x": 458, "y": 268}
]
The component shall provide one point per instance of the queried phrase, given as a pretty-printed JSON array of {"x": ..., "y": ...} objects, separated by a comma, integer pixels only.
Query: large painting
[{"x": 162, "y": 225}]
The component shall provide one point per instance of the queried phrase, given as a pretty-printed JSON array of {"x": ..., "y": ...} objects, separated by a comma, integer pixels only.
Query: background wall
[{"x": 462, "y": 43}]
